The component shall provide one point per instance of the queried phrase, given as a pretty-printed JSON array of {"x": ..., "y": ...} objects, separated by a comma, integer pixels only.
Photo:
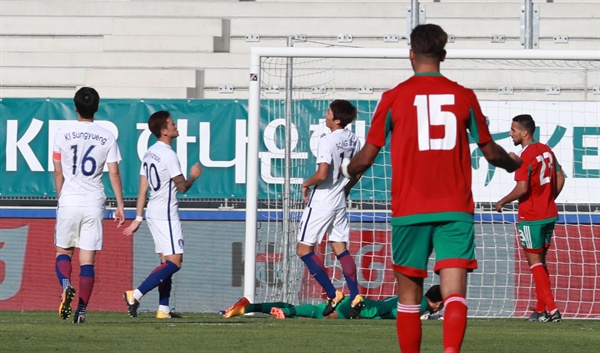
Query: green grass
[{"x": 42, "y": 331}]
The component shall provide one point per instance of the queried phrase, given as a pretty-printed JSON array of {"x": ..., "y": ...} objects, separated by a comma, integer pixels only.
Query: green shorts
[
  {"x": 535, "y": 236},
  {"x": 453, "y": 242}
]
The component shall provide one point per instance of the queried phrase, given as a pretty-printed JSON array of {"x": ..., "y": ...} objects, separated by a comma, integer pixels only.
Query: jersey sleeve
[
  {"x": 173, "y": 166},
  {"x": 379, "y": 123},
  {"x": 56, "y": 154},
  {"x": 478, "y": 128},
  {"x": 324, "y": 151},
  {"x": 522, "y": 174},
  {"x": 114, "y": 155}
]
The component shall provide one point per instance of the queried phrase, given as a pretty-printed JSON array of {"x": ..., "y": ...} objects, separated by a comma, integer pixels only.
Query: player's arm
[
  {"x": 184, "y": 185},
  {"x": 560, "y": 182},
  {"x": 520, "y": 190},
  {"x": 362, "y": 161},
  {"x": 139, "y": 207},
  {"x": 497, "y": 156},
  {"x": 316, "y": 178},
  {"x": 59, "y": 178},
  {"x": 115, "y": 182}
]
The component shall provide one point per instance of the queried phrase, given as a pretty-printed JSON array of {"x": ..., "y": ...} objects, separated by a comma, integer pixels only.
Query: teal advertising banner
[{"x": 214, "y": 132}]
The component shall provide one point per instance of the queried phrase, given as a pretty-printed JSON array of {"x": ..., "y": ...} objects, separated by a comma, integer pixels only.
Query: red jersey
[
  {"x": 429, "y": 118},
  {"x": 539, "y": 169}
]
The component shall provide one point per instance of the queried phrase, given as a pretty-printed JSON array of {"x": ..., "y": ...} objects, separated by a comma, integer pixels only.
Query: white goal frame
[{"x": 257, "y": 53}]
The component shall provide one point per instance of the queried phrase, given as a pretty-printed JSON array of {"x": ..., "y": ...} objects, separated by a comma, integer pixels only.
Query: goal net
[{"x": 290, "y": 90}]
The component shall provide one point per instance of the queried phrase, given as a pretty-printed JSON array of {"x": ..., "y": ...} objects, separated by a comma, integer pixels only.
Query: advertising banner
[{"x": 214, "y": 132}]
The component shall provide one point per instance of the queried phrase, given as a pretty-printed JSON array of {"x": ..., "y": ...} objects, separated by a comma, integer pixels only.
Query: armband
[
  {"x": 139, "y": 218},
  {"x": 344, "y": 167}
]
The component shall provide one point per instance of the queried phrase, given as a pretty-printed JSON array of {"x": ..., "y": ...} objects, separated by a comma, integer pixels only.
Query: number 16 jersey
[
  {"x": 83, "y": 149},
  {"x": 160, "y": 165}
]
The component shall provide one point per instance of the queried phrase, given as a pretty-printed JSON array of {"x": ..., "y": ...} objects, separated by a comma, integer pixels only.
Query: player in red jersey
[
  {"x": 539, "y": 181},
  {"x": 429, "y": 118}
]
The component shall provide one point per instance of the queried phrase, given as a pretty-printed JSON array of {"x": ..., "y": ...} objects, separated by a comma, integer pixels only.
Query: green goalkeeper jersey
[{"x": 373, "y": 309}]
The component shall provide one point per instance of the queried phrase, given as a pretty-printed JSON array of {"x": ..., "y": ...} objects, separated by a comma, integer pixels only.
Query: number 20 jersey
[
  {"x": 83, "y": 149},
  {"x": 429, "y": 118},
  {"x": 160, "y": 165}
]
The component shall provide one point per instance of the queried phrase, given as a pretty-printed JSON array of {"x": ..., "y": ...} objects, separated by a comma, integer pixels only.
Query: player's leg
[
  {"x": 63, "y": 272},
  {"x": 66, "y": 238},
  {"x": 168, "y": 240},
  {"x": 164, "y": 295},
  {"x": 90, "y": 242},
  {"x": 339, "y": 236},
  {"x": 411, "y": 247},
  {"x": 311, "y": 230},
  {"x": 454, "y": 244},
  {"x": 535, "y": 239}
]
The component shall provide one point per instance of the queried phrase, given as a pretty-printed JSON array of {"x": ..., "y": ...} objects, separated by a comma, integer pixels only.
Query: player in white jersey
[
  {"x": 326, "y": 208},
  {"x": 81, "y": 149},
  {"x": 161, "y": 174}
]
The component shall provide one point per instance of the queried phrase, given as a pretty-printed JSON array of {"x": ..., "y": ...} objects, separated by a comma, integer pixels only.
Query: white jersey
[
  {"x": 332, "y": 149},
  {"x": 160, "y": 165},
  {"x": 83, "y": 149}
]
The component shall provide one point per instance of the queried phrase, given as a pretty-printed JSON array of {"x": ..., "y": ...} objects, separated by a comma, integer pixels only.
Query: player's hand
[
  {"x": 499, "y": 206},
  {"x": 305, "y": 193},
  {"x": 195, "y": 171},
  {"x": 120, "y": 216},
  {"x": 133, "y": 227}
]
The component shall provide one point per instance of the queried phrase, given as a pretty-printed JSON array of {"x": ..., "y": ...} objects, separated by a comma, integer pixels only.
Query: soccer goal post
[{"x": 289, "y": 92}]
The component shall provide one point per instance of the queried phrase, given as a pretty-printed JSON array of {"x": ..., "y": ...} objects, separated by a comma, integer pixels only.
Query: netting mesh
[{"x": 559, "y": 95}]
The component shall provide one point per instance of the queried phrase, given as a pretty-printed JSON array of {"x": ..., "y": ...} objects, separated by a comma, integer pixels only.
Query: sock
[
  {"x": 542, "y": 286},
  {"x": 161, "y": 273},
  {"x": 86, "y": 284},
  {"x": 164, "y": 309},
  {"x": 266, "y": 307},
  {"x": 316, "y": 267},
  {"x": 408, "y": 328},
  {"x": 455, "y": 322},
  {"x": 63, "y": 270},
  {"x": 164, "y": 292},
  {"x": 306, "y": 310},
  {"x": 349, "y": 270}
]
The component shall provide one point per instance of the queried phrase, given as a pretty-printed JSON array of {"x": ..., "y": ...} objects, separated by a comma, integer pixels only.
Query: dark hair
[
  {"x": 434, "y": 294},
  {"x": 86, "y": 102},
  {"x": 429, "y": 40},
  {"x": 526, "y": 122},
  {"x": 158, "y": 121},
  {"x": 343, "y": 111}
]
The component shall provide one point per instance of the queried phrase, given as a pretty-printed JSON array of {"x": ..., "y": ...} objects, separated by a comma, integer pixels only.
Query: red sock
[
  {"x": 408, "y": 328},
  {"x": 455, "y": 322},
  {"x": 542, "y": 286},
  {"x": 540, "y": 305}
]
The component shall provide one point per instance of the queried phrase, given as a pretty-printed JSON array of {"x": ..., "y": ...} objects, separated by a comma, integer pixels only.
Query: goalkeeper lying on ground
[{"x": 373, "y": 309}]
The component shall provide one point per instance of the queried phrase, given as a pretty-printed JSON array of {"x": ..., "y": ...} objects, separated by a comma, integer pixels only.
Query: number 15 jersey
[
  {"x": 430, "y": 119},
  {"x": 160, "y": 165},
  {"x": 83, "y": 149}
]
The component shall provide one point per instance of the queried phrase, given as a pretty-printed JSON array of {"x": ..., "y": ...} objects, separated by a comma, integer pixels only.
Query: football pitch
[{"x": 43, "y": 331}]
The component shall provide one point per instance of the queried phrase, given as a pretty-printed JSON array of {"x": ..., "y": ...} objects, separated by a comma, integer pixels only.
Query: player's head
[
  {"x": 343, "y": 111},
  {"x": 159, "y": 121},
  {"x": 86, "y": 102},
  {"x": 435, "y": 302},
  {"x": 522, "y": 129},
  {"x": 427, "y": 42}
]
